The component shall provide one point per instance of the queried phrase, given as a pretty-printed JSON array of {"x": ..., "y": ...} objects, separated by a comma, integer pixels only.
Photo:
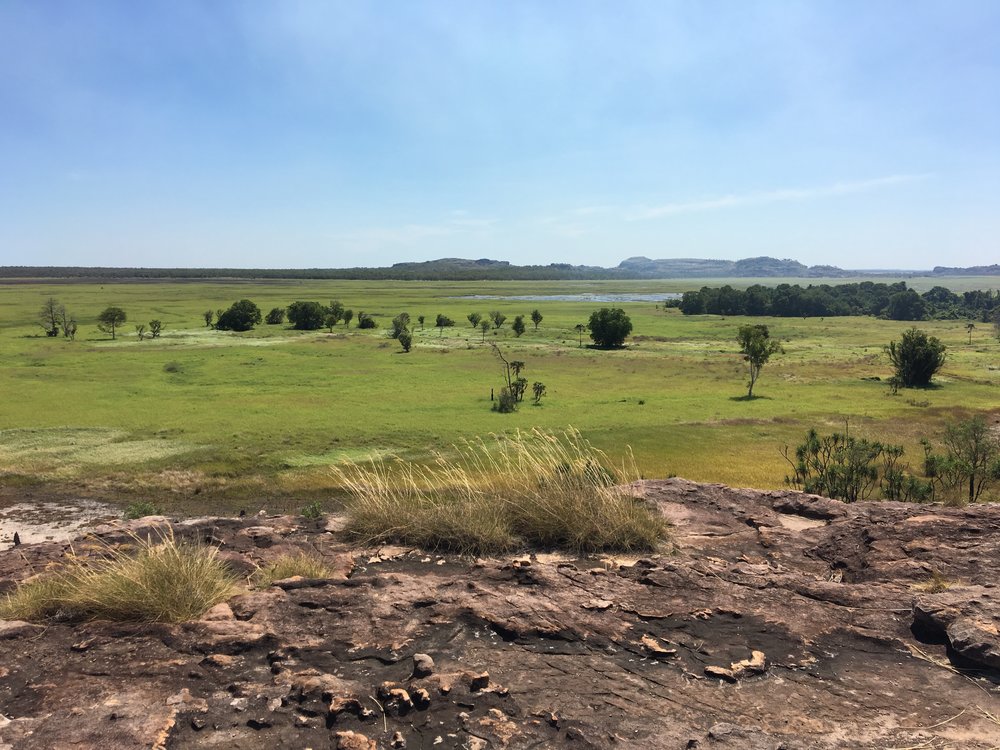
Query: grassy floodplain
[{"x": 205, "y": 420}]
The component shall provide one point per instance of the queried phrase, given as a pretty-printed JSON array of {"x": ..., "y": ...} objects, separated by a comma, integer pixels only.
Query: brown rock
[{"x": 354, "y": 741}]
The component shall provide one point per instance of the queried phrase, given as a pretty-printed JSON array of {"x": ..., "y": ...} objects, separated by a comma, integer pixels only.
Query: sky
[{"x": 295, "y": 134}]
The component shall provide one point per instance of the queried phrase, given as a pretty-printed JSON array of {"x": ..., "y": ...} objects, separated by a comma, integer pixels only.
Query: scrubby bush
[
  {"x": 366, "y": 321},
  {"x": 916, "y": 358},
  {"x": 276, "y": 317},
  {"x": 299, "y": 563},
  {"x": 139, "y": 509},
  {"x": 241, "y": 316},
  {"x": 609, "y": 327},
  {"x": 307, "y": 316}
]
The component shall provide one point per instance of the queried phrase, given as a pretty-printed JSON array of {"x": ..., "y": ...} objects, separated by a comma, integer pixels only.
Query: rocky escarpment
[{"x": 778, "y": 620}]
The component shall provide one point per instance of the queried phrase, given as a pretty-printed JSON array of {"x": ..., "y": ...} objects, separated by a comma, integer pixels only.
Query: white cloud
[{"x": 782, "y": 195}]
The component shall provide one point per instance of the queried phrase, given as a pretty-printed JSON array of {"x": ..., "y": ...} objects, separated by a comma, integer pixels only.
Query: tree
[
  {"x": 580, "y": 328},
  {"x": 208, "y": 315},
  {"x": 970, "y": 327},
  {"x": 497, "y": 318},
  {"x": 111, "y": 319},
  {"x": 155, "y": 327},
  {"x": 242, "y": 315},
  {"x": 538, "y": 389},
  {"x": 916, "y": 358},
  {"x": 442, "y": 322},
  {"x": 307, "y": 316},
  {"x": 609, "y": 327},
  {"x": 140, "y": 331},
  {"x": 67, "y": 322},
  {"x": 405, "y": 339},
  {"x": 757, "y": 347},
  {"x": 518, "y": 325},
  {"x": 972, "y": 459},
  {"x": 276, "y": 317},
  {"x": 366, "y": 321},
  {"x": 50, "y": 316},
  {"x": 474, "y": 318},
  {"x": 514, "y": 386},
  {"x": 400, "y": 325},
  {"x": 420, "y": 320},
  {"x": 536, "y": 318},
  {"x": 348, "y": 317},
  {"x": 335, "y": 311},
  {"x": 484, "y": 326},
  {"x": 907, "y": 305}
]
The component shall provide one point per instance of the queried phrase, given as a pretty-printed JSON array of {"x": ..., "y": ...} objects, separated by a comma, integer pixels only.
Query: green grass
[
  {"x": 552, "y": 491},
  {"x": 160, "y": 580},
  {"x": 201, "y": 420}
]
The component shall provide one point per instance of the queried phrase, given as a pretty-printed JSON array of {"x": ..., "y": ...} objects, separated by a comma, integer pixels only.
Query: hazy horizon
[{"x": 321, "y": 135}]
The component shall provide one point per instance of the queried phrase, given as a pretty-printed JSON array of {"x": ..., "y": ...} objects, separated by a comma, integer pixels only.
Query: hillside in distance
[{"x": 485, "y": 269}]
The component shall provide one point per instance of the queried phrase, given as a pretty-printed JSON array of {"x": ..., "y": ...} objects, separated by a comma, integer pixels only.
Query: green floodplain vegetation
[{"x": 200, "y": 420}]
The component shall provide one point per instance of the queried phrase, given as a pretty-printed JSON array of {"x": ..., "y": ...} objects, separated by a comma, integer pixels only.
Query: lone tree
[
  {"x": 208, "y": 315},
  {"x": 155, "y": 327},
  {"x": 484, "y": 326},
  {"x": 442, "y": 322},
  {"x": 474, "y": 318},
  {"x": 497, "y": 318},
  {"x": 50, "y": 316},
  {"x": 276, "y": 317},
  {"x": 335, "y": 312},
  {"x": 405, "y": 339},
  {"x": 536, "y": 318},
  {"x": 241, "y": 316},
  {"x": 140, "y": 331},
  {"x": 518, "y": 325},
  {"x": 420, "y": 320},
  {"x": 915, "y": 358},
  {"x": 348, "y": 317},
  {"x": 111, "y": 319},
  {"x": 970, "y": 327},
  {"x": 514, "y": 386},
  {"x": 400, "y": 325},
  {"x": 757, "y": 347},
  {"x": 580, "y": 328},
  {"x": 366, "y": 321},
  {"x": 609, "y": 327}
]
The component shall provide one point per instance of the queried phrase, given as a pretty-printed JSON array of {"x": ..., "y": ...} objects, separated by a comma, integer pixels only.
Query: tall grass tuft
[
  {"x": 307, "y": 565},
  {"x": 155, "y": 580},
  {"x": 528, "y": 489}
]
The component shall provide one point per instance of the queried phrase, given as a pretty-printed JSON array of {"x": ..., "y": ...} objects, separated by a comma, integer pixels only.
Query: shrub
[
  {"x": 299, "y": 563},
  {"x": 307, "y": 316},
  {"x": 405, "y": 339},
  {"x": 537, "y": 488},
  {"x": 518, "y": 325},
  {"x": 241, "y": 316},
  {"x": 916, "y": 358},
  {"x": 313, "y": 511},
  {"x": 276, "y": 317},
  {"x": 366, "y": 321},
  {"x": 173, "y": 367},
  {"x": 609, "y": 327},
  {"x": 155, "y": 580},
  {"x": 139, "y": 509}
]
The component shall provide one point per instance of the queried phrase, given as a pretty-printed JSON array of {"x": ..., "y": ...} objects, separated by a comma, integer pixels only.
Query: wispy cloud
[
  {"x": 406, "y": 234},
  {"x": 782, "y": 195}
]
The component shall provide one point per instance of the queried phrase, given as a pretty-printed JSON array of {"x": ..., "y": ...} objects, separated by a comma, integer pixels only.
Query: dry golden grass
[
  {"x": 156, "y": 580},
  {"x": 536, "y": 489},
  {"x": 287, "y": 566}
]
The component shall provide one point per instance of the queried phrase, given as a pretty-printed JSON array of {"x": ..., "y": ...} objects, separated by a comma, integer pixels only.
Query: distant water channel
[{"x": 660, "y": 297}]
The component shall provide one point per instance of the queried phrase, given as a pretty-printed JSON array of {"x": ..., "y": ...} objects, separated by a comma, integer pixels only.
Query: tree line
[{"x": 891, "y": 301}]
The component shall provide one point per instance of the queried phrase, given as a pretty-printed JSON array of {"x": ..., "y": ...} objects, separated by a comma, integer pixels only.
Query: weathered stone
[{"x": 423, "y": 665}]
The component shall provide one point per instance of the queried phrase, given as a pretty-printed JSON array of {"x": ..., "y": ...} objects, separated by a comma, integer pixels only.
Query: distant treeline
[{"x": 893, "y": 301}]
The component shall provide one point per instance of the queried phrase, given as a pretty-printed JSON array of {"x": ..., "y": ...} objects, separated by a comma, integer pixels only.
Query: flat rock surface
[{"x": 775, "y": 620}]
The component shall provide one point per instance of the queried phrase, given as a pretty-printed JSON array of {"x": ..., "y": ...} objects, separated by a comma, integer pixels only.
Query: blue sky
[{"x": 861, "y": 133}]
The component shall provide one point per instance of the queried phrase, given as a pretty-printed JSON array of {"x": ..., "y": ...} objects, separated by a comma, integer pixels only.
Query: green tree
[
  {"x": 609, "y": 327},
  {"x": 242, "y": 315},
  {"x": 208, "y": 315},
  {"x": 580, "y": 328},
  {"x": 348, "y": 317},
  {"x": 536, "y": 318},
  {"x": 155, "y": 327},
  {"x": 405, "y": 339},
  {"x": 518, "y": 325},
  {"x": 366, "y": 321},
  {"x": 307, "y": 316},
  {"x": 497, "y": 318},
  {"x": 906, "y": 305},
  {"x": 276, "y": 317},
  {"x": 484, "y": 326},
  {"x": 970, "y": 327},
  {"x": 140, "y": 331},
  {"x": 474, "y": 318},
  {"x": 400, "y": 325},
  {"x": 111, "y": 320},
  {"x": 50, "y": 316},
  {"x": 538, "y": 389},
  {"x": 442, "y": 322},
  {"x": 757, "y": 347},
  {"x": 916, "y": 358},
  {"x": 972, "y": 458},
  {"x": 335, "y": 311},
  {"x": 420, "y": 320}
]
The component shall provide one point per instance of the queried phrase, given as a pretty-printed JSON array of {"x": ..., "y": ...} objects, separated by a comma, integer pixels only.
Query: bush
[
  {"x": 139, "y": 509},
  {"x": 405, "y": 339},
  {"x": 916, "y": 358},
  {"x": 307, "y": 316},
  {"x": 609, "y": 327},
  {"x": 313, "y": 511},
  {"x": 241, "y": 316},
  {"x": 366, "y": 321},
  {"x": 157, "y": 580},
  {"x": 276, "y": 317},
  {"x": 538, "y": 489}
]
